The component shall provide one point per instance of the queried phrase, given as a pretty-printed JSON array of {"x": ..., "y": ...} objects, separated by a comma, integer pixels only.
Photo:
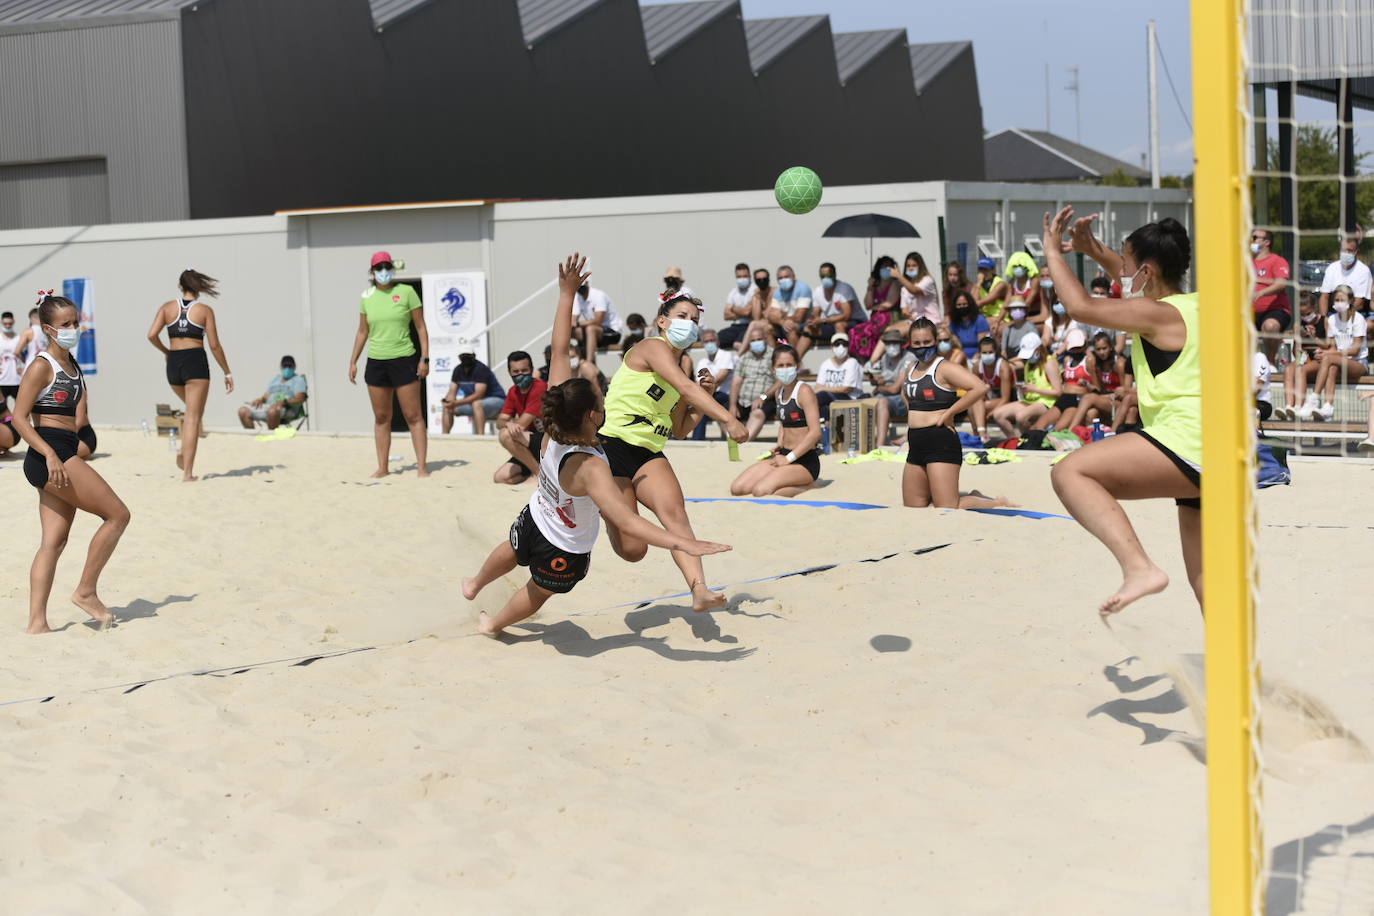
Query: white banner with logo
[{"x": 455, "y": 310}]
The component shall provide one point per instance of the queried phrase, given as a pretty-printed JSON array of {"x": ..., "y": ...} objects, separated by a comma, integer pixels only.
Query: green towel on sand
[
  {"x": 992, "y": 456},
  {"x": 878, "y": 454},
  {"x": 281, "y": 432}
]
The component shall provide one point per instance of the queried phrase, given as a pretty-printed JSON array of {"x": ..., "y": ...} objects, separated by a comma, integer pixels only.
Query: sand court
[{"x": 951, "y": 731}]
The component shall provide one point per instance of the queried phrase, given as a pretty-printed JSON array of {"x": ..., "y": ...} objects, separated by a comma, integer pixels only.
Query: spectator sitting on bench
[
  {"x": 634, "y": 330},
  {"x": 1345, "y": 357},
  {"x": 840, "y": 377},
  {"x": 888, "y": 372},
  {"x": 720, "y": 362},
  {"x": 1302, "y": 367},
  {"x": 282, "y": 403},
  {"x": 519, "y": 428},
  {"x": 595, "y": 322},
  {"x": 474, "y": 392}
]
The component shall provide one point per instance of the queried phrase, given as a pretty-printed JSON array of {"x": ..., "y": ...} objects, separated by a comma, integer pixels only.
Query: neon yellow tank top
[
  {"x": 1171, "y": 402},
  {"x": 993, "y": 309},
  {"x": 1035, "y": 376},
  {"x": 639, "y": 408}
]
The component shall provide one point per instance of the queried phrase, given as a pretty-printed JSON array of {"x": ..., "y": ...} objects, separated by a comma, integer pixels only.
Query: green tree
[
  {"x": 1319, "y": 198},
  {"x": 1119, "y": 179}
]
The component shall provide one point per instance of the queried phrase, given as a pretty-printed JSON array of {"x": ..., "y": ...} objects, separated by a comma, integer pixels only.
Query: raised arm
[
  {"x": 1158, "y": 321},
  {"x": 572, "y": 274}
]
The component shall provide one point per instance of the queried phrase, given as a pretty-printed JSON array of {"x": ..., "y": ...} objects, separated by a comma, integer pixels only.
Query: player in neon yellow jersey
[
  {"x": 1165, "y": 458},
  {"x": 650, "y": 400}
]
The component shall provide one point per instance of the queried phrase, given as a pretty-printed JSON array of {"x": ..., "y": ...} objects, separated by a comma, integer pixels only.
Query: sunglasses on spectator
[{"x": 384, "y": 265}]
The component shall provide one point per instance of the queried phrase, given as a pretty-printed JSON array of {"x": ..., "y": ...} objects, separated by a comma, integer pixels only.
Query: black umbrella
[{"x": 870, "y": 226}]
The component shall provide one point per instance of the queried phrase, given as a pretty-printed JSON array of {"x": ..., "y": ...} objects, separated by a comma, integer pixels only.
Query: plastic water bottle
[
  {"x": 825, "y": 440},
  {"x": 732, "y": 447},
  {"x": 172, "y": 444},
  {"x": 1098, "y": 434},
  {"x": 146, "y": 431}
]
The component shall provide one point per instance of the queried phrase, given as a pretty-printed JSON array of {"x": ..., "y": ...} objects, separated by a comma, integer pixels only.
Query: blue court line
[
  {"x": 1022, "y": 513},
  {"x": 838, "y": 504}
]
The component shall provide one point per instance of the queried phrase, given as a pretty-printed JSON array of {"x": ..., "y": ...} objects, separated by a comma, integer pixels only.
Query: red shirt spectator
[
  {"x": 529, "y": 401},
  {"x": 1271, "y": 268}
]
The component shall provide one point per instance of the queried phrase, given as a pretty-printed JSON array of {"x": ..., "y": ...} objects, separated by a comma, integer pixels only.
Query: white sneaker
[
  {"x": 1325, "y": 412},
  {"x": 1283, "y": 412},
  {"x": 1304, "y": 412},
  {"x": 1366, "y": 446}
]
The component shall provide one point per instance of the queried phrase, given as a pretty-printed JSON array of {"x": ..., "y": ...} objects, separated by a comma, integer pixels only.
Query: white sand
[{"x": 767, "y": 759}]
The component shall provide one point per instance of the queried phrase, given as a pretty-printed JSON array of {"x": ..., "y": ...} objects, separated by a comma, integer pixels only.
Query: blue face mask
[
  {"x": 785, "y": 284},
  {"x": 989, "y": 358},
  {"x": 382, "y": 277},
  {"x": 885, "y": 273},
  {"x": 1059, "y": 308},
  {"x": 828, "y": 282},
  {"x": 287, "y": 372},
  {"x": 757, "y": 347},
  {"x": 742, "y": 282},
  {"x": 66, "y": 338},
  {"x": 912, "y": 274},
  {"x": 682, "y": 333},
  {"x": 523, "y": 380},
  {"x": 944, "y": 347},
  {"x": 711, "y": 348},
  {"x": 923, "y": 354},
  {"x": 786, "y": 374}
]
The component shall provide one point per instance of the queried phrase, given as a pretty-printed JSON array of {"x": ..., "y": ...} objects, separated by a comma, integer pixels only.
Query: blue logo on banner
[
  {"x": 79, "y": 291},
  {"x": 455, "y": 307}
]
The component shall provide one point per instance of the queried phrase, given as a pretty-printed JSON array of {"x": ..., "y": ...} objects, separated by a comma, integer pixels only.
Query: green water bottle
[{"x": 733, "y": 448}]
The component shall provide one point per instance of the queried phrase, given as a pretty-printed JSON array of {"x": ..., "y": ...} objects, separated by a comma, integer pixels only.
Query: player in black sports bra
[
  {"x": 45, "y": 415},
  {"x": 796, "y": 462},
  {"x": 934, "y": 455},
  {"x": 190, "y": 323}
]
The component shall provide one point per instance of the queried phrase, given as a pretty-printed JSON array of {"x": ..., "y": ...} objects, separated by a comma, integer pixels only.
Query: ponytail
[
  {"x": 565, "y": 408},
  {"x": 197, "y": 283}
]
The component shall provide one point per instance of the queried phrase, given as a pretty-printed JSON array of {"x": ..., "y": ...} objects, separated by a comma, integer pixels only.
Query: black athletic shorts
[
  {"x": 812, "y": 462},
  {"x": 13, "y": 434},
  {"x": 1188, "y": 470},
  {"x": 536, "y": 440},
  {"x": 551, "y": 567},
  {"x": 626, "y": 459},
  {"x": 392, "y": 373},
  {"x": 9, "y": 391},
  {"x": 769, "y": 408},
  {"x": 87, "y": 435},
  {"x": 1067, "y": 401},
  {"x": 185, "y": 365},
  {"x": 933, "y": 445},
  {"x": 822, "y": 333},
  {"x": 608, "y": 337},
  {"x": 1284, "y": 318},
  {"x": 63, "y": 442}
]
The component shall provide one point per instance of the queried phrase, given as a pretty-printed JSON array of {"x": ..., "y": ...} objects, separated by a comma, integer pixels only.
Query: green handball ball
[{"x": 798, "y": 190}]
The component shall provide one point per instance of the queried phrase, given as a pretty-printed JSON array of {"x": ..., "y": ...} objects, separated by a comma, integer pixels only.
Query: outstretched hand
[
  {"x": 704, "y": 548},
  {"x": 572, "y": 273},
  {"x": 1055, "y": 227}
]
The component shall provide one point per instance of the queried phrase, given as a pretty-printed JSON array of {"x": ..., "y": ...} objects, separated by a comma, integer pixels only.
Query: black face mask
[{"x": 761, "y": 282}]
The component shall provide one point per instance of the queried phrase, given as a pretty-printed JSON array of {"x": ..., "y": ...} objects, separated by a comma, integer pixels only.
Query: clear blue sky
[{"x": 1012, "y": 42}]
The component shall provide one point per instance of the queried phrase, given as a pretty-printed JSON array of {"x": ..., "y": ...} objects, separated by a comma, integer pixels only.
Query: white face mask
[
  {"x": 574, "y": 361},
  {"x": 1341, "y": 306},
  {"x": 382, "y": 277},
  {"x": 1254, "y": 247},
  {"x": 840, "y": 351},
  {"x": 1128, "y": 288},
  {"x": 1347, "y": 259}
]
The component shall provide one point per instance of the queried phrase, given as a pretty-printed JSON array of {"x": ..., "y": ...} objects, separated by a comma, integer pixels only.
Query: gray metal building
[{"x": 137, "y": 110}]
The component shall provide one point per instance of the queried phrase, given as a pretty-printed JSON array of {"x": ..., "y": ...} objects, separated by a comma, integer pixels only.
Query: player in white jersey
[
  {"x": 554, "y": 534},
  {"x": 11, "y": 371}
]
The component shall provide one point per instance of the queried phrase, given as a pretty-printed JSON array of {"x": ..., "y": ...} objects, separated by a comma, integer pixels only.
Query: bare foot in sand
[
  {"x": 91, "y": 604},
  {"x": 39, "y": 630},
  {"x": 380, "y": 473},
  {"x": 1147, "y": 581},
  {"x": 703, "y": 599},
  {"x": 470, "y": 588},
  {"x": 485, "y": 627},
  {"x": 423, "y": 472},
  {"x": 190, "y": 479}
]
